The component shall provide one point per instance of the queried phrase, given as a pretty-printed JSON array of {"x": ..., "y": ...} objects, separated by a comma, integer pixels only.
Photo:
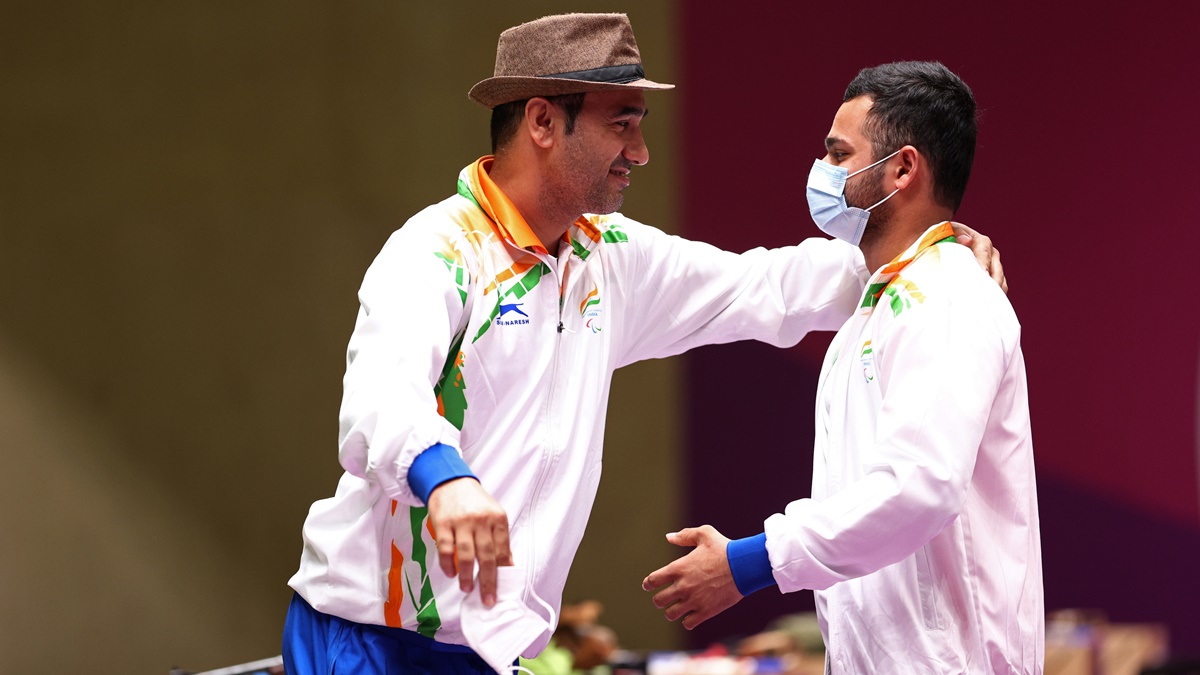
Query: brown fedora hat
[{"x": 564, "y": 54}]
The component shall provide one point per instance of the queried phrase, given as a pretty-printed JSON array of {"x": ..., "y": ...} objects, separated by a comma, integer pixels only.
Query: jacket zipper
[{"x": 551, "y": 419}]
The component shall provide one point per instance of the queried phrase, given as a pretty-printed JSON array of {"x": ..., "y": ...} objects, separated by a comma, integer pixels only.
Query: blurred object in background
[
  {"x": 794, "y": 638},
  {"x": 786, "y": 648},
  {"x": 1083, "y": 642},
  {"x": 716, "y": 661},
  {"x": 580, "y": 645}
]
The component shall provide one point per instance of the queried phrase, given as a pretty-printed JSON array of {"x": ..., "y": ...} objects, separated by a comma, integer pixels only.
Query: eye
[{"x": 624, "y": 124}]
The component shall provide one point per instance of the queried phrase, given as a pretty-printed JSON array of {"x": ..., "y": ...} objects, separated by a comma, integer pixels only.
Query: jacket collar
[
  {"x": 475, "y": 184},
  {"x": 942, "y": 232},
  {"x": 510, "y": 224}
]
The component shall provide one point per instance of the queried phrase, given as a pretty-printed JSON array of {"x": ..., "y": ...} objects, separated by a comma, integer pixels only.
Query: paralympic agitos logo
[{"x": 590, "y": 310}]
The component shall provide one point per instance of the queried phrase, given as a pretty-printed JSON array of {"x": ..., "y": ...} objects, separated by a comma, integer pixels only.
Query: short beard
[
  {"x": 598, "y": 197},
  {"x": 865, "y": 193},
  {"x": 601, "y": 201}
]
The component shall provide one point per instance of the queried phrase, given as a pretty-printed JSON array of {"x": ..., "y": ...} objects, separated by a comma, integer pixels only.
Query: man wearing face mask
[{"x": 921, "y": 536}]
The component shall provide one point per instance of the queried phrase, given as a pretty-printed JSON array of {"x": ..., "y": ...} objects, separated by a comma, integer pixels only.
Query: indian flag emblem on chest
[
  {"x": 867, "y": 359},
  {"x": 591, "y": 310}
]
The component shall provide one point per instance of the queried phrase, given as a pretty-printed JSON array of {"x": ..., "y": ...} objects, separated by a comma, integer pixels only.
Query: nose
[{"x": 636, "y": 150}]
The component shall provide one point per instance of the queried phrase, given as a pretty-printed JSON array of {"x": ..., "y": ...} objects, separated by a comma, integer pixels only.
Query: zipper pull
[{"x": 560, "y": 326}]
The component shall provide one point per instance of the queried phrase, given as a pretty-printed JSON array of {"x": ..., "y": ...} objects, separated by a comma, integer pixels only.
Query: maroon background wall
[{"x": 1086, "y": 178}]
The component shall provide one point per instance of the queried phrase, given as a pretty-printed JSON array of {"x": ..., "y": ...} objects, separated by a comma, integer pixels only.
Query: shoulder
[
  {"x": 440, "y": 228},
  {"x": 443, "y": 219},
  {"x": 624, "y": 241},
  {"x": 434, "y": 239},
  {"x": 948, "y": 276}
]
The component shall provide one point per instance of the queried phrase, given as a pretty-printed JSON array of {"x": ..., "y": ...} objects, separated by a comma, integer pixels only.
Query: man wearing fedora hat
[{"x": 478, "y": 372}]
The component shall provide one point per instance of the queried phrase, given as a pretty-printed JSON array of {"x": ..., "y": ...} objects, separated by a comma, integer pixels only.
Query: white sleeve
[
  {"x": 940, "y": 367},
  {"x": 688, "y": 293},
  {"x": 409, "y": 309}
]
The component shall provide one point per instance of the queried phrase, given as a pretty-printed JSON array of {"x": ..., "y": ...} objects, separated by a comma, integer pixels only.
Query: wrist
[
  {"x": 750, "y": 564},
  {"x": 434, "y": 467}
]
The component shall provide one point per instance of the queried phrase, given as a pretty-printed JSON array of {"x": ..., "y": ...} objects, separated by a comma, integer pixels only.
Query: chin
[{"x": 606, "y": 207}]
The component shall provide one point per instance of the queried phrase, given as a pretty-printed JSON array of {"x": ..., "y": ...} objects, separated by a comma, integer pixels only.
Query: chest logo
[
  {"x": 510, "y": 314},
  {"x": 591, "y": 311},
  {"x": 867, "y": 359}
]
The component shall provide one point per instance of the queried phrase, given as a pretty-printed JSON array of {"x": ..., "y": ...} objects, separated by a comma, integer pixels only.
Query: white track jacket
[
  {"x": 521, "y": 382},
  {"x": 921, "y": 536}
]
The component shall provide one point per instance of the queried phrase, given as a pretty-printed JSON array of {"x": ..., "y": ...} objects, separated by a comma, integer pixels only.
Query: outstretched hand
[
  {"x": 470, "y": 527},
  {"x": 987, "y": 255},
  {"x": 699, "y": 585}
]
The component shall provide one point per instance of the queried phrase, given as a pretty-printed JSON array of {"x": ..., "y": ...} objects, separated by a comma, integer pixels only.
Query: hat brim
[{"x": 496, "y": 91}]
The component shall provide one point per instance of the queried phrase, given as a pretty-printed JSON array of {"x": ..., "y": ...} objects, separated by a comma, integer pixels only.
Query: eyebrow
[
  {"x": 633, "y": 110},
  {"x": 834, "y": 140}
]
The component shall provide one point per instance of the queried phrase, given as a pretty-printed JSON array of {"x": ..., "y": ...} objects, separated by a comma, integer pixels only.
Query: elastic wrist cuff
[
  {"x": 438, "y": 464},
  {"x": 750, "y": 564}
]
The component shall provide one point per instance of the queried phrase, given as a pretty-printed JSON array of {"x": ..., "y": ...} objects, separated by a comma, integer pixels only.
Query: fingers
[
  {"x": 691, "y": 611},
  {"x": 666, "y": 597},
  {"x": 485, "y": 553},
  {"x": 693, "y": 619},
  {"x": 676, "y": 611},
  {"x": 980, "y": 245},
  {"x": 445, "y": 549},
  {"x": 471, "y": 529},
  {"x": 689, "y": 536},
  {"x": 658, "y": 578},
  {"x": 961, "y": 231},
  {"x": 464, "y": 549},
  {"x": 504, "y": 557},
  {"x": 492, "y": 551},
  {"x": 997, "y": 270},
  {"x": 697, "y": 586},
  {"x": 478, "y": 545},
  {"x": 984, "y": 252}
]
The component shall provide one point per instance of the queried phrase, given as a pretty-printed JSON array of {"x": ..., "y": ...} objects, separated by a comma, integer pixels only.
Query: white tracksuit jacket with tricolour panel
[{"x": 520, "y": 385}]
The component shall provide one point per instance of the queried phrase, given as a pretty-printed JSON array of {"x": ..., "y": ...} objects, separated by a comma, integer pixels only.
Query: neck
[
  {"x": 881, "y": 245},
  {"x": 524, "y": 189}
]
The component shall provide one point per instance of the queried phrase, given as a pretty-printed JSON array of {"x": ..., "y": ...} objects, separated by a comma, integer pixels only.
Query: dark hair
[
  {"x": 506, "y": 117},
  {"x": 922, "y": 104}
]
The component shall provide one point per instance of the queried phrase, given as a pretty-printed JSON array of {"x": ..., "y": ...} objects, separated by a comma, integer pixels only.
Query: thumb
[{"x": 689, "y": 536}]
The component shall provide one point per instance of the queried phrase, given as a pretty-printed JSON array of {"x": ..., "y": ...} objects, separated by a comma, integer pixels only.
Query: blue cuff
[
  {"x": 438, "y": 464},
  {"x": 750, "y": 564}
]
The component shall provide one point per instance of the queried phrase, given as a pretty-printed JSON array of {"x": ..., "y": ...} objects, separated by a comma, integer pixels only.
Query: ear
[
  {"x": 540, "y": 121},
  {"x": 910, "y": 166}
]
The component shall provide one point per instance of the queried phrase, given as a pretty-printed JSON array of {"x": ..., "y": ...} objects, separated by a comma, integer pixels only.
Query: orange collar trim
[
  {"x": 499, "y": 208},
  {"x": 890, "y": 273},
  {"x": 932, "y": 236}
]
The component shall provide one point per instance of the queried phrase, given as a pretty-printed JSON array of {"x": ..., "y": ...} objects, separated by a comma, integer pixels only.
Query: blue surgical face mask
[{"x": 827, "y": 201}]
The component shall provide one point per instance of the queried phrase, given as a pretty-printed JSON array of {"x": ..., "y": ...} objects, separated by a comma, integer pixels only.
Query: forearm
[
  {"x": 869, "y": 525},
  {"x": 695, "y": 294}
]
